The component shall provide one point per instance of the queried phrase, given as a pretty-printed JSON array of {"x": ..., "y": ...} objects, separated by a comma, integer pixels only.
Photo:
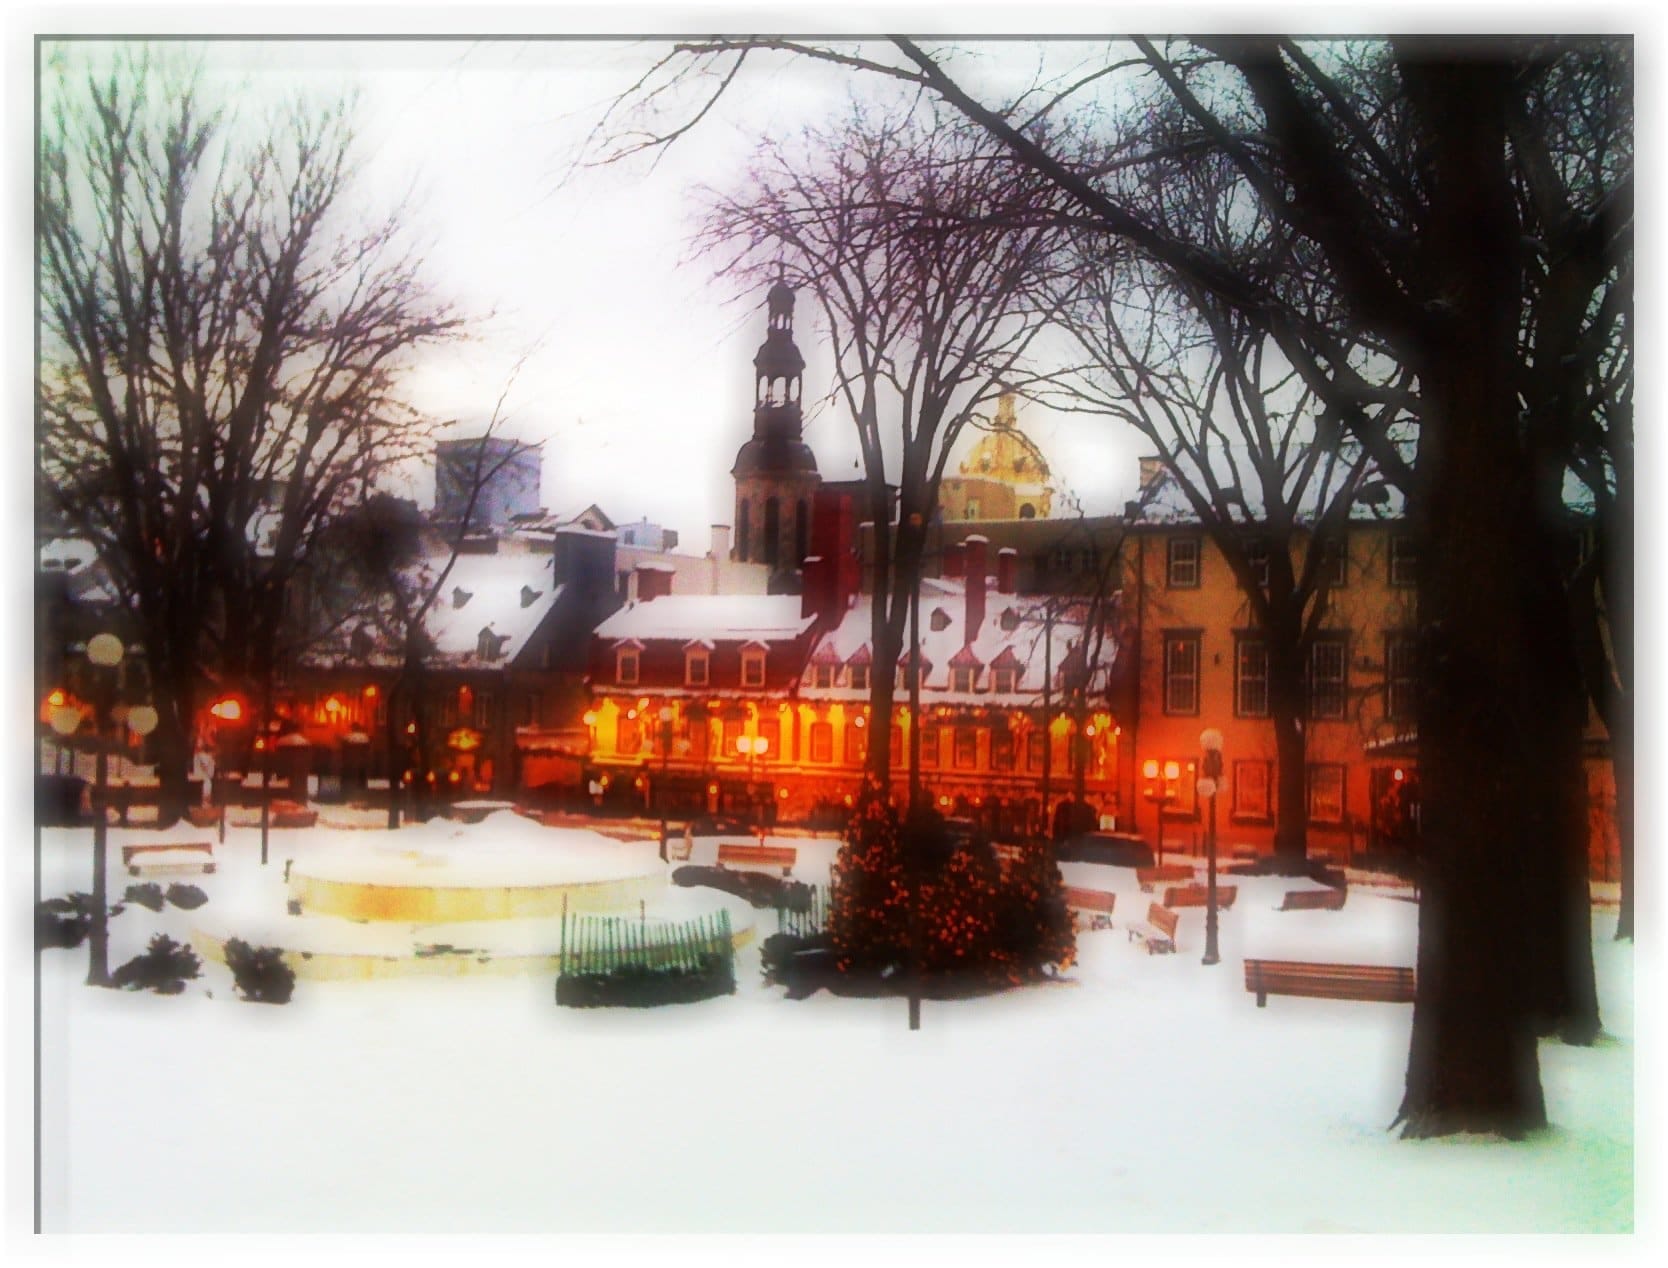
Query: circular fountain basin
[{"x": 458, "y": 881}]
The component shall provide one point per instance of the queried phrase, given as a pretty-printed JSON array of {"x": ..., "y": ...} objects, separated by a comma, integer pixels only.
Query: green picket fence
[
  {"x": 809, "y": 922},
  {"x": 598, "y": 945}
]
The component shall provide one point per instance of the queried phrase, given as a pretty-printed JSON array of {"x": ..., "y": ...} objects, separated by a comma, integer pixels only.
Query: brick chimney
[
  {"x": 720, "y": 541},
  {"x": 831, "y": 572},
  {"x": 975, "y": 584},
  {"x": 1007, "y": 570},
  {"x": 653, "y": 581},
  {"x": 955, "y": 559}
]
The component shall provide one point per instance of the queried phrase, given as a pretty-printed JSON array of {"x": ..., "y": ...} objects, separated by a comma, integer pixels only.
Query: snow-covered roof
[
  {"x": 716, "y": 617},
  {"x": 1012, "y": 634},
  {"x": 504, "y": 595}
]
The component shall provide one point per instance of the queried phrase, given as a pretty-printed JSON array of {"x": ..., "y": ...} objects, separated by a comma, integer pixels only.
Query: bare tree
[
  {"x": 912, "y": 235},
  {"x": 1402, "y": 164},
  {"x": 222, "y": 348}
]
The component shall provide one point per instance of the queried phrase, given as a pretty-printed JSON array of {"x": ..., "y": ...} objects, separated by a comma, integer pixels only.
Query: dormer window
[
  {"x": 940, "y": 619},
  {"x": 487, "y": 644},
  {"x": 625, "y": 665},
  {"x": 460, "y": 596},
  {"x": 1010, "y": 620},
  {"x": 529, "y": 596},
  {"x": 1004, "y": 681},
  {"x": 752, "y": 667},
  {"x": 858, "y": 677},
  {"x": 696, "y": 664},
  {"x": 962, "y": 677},
  {"x": 822, "y": 675}
]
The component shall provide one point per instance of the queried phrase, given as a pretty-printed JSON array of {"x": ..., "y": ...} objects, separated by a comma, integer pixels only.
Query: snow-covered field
[{"x": 1147, "y": 1094}]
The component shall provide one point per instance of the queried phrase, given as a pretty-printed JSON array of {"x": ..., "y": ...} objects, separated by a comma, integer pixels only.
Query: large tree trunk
[
  {"x": 1287, "y": 700},
  {"x": 1472, "y": 1063}
]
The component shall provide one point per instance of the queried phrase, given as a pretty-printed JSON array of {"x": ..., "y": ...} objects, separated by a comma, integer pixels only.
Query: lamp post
[
  {"x": 666, "y": 714},
  {"x": 1210, "y": 740},
  {"x": 1161, "y": 794},
  {"x": 754, "y": 746}
]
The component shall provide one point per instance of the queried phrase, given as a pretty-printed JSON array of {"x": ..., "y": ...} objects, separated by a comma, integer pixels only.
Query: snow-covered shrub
[
  {"x": 165, "y": 967},
  {"x": 63, "y": 922},
  {"x": 760, "y": 889},
  {"x": 260, "y": 973},
  {"x": 186, "y": 897},
  {"x": 148, "y": 895}
]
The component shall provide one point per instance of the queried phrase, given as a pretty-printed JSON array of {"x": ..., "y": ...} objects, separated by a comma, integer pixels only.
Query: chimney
[
  {"x": 1152, "y": 471},
  {"x": 652, "y": 582},
  {"x": 975, "y": 584},
  {"x": 814, "y": 590},
  {"x": 834, "y": 545},
  {"x": 955, "y": 558},
  {"x": 720, "y": 542},
  {"x": 1007, "y": 569}
]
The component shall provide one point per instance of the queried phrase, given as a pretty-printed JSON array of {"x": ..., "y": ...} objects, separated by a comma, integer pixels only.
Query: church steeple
[{"x": 779, "y": 367}]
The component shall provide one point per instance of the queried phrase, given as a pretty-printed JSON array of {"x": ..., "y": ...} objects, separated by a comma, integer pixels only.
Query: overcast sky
[{"x": 637, "y": 373}]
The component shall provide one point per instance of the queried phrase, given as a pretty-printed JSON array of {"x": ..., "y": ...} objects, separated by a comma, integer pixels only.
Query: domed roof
[
  {"x": 779, "y": 357},
  {"x": 774, "y": 454}
]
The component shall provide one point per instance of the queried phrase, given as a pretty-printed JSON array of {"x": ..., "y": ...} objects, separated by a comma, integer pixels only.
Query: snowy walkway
[{"x": 1149, "y": 1094}]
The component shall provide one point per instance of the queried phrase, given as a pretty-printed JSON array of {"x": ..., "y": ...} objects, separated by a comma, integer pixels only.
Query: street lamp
[
  {"x": 105, "y": 652},
  {"x": 1161, "y": 794},
  {"x": 1210, "y": 740},
  {"x": 666, "y": 714}
]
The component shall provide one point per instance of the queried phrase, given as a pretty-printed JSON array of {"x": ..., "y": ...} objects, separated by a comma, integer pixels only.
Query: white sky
[{"x": 638, "y": 375}]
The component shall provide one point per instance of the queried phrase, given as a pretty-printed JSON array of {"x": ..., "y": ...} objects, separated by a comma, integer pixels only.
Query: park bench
[
  {"x": 174, "y": 856},
  {"x": 1161, "y": 936},
  {"x": 1147, "y": 877},
  {"x": 1314, "y": 900},
  {"x": 781, "y": 856},
  {"x": 292, "y": 814},
  {"x": 1197, "y": 896},
  {"x": 1097, "y": 902},
  {"x": 1376, "y": 983}
]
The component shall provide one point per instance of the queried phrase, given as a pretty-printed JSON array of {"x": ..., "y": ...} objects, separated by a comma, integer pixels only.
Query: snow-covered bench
[
  {"x": 1198, "y": 896},
  {"x": 292, "y": 814},
  {"x": 1314, "y": 900},
  {"x": 1161, "y": 933},
  {"x": 1377, "y": 983},
  {"x": 782, "y": 856},
  {"x": 174, "y": 856},
  {"x": 1098, "y": 903},
  {"x": 1147, "y": 877}
]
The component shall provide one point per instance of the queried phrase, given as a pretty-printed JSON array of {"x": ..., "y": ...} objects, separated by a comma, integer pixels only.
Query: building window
[
  {"x": 1001, "y": 749},
  {"x": 1326, "y": 792},
  {"x": 698, "y": 735},
  {"x": 733, "y": 728},
  {"x": 1328, "y": 676},
  {"x": 962, "y": 677},
  {"x": 1005, "y": 681},
  {"x": 770, "y": 735},
  {"x": 1334, "y": 562},
  {"x": 752, "y": 668},
  {"x": 695, "y": 667},
  {"x": 857, "y": 743},
  {"x": 894, "y": 745},
  {"x": 480, "y": 713},
  {"x": 822, "y": 741},
  {"x": 628, "y": 737},
  {"x": 1183, "y": 563},
  {"x": 1181, "y": 674},
  {"x": 1035, "y": 747},
  {"x": 532, "y": 709},
  {"x": 1251, "y": 678},
  {"x": 822, "y": 675},
  {"x": 939, "y": 620},
  {"x": 1251, "y": 790},
  {"x": 1060, "y": 560},
  {"x": 1401, "y": 677},
  {"x": 625, "y": 665},
  {"x": 744, "y": 521},
  {"x": 859, "y": 677},
  {"x": 1404, "y": 561},
  {"x": 1256, "y": 560},
  {"x": 972, "y": 512},
  {"x": 929, "y": 746},
  {"x": 967, "y": 748}
]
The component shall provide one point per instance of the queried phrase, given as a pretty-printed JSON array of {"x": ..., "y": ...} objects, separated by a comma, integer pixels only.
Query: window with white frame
[
  {"x": 1251, "y": 678},
  {"x": 1004, "y": 679},
  {"x": 822, "y": 675},
  {"x": 1181, "y": 674},
  {"x": 1328, "y": 676},
  {"x": 752, "y": 667},
  {"x": 1401, "y": 677},
  {"x": 1183, "y": 563},
  {"x": 1334, "y": 561},
  {"x": 696, "y": 667},
  {"x": 858, "y": 676},
  {"x": 1404, "y": 561},
  {"x": 625, "y": 665},
  {"x": 962, "y": 677},
  {"x": 1256, "y": 560}
]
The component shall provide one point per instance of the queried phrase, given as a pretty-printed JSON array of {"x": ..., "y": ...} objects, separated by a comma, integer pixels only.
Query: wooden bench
[
  {"x": 176, "y": 856},
  {"x": 1098, "y": 903},
  {"x": 1197, "y": 896},
  {"x": 1147, "y": 877},
  {"x": 1162, "y": 934},
  {"x": 1376, "y": 983},
  {"x": 1314, "y": 900},
  {"x": 292, "y": 814},
  {"x": 781, "y": 856}
]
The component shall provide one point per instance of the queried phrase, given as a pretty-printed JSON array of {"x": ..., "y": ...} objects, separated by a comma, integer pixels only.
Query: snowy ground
[{"x": 1148, "y": 1094}]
